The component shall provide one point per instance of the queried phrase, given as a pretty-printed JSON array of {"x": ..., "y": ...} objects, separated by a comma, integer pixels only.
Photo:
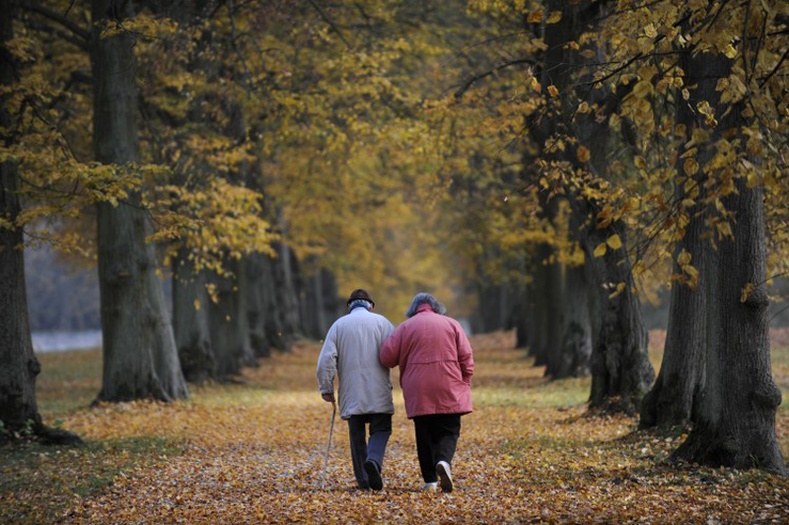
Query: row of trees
[
  {"x": 564, "y": 158},
  {"x": 658, "y": 131}
]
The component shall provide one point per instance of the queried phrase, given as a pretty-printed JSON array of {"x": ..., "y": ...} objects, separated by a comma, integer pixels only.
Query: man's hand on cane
[{"x": 328, "y": 397}]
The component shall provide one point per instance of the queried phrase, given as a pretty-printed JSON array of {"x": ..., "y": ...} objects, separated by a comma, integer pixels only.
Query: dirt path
[{"x": 254, "y": 453}]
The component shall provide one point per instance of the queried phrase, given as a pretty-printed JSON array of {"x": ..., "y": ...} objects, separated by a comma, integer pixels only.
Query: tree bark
[
  {"x": 621, "y": 371},
  {"x": 735, "y": 422},
  {"x": 20, "y": 366},
  {"x": 18, "y": 406},
  {"x": 620, "y": 366},
  {"x": 576, "y": 346},
  {"x": 272, "y": 318},
  {"x": 140, "y": 356},
  {"x": 285, "y": 268},
  {"x": 229, "y": 324},
  {"x": 191, "y": 304},
  {"x": 674, "y": 397},
  {"x": 524, "y": 318},
  {"x": 546, "y": 296},
  {"x": 496, "y": 308},
  {"x": 256, "y": 301},
  {"x": 322, "y": 304}
]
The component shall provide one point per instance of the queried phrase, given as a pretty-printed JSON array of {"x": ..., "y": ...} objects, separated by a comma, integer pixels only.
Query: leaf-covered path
[{"x": 254, "y": 453}]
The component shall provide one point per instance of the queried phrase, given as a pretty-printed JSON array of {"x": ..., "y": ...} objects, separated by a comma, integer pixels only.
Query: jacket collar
[{"x": 424, "y": 308}]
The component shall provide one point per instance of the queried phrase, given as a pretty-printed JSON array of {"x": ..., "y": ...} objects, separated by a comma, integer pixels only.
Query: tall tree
[
  {"x": 674, "y": 398},
  {"x": 20, "y": 366},
  {"x": 735, "y": 422},
  {"x": 546, "y": 294},
  {"x": 228, "y": 320},
  {"x": 191, "y": 302},
  {"x": 18, "y": 406},
  {"x": 140, "y": 356},
  {"x": 577, "y": 143}
]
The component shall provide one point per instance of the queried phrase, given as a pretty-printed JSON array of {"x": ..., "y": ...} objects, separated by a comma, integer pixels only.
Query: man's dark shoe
[{"x": 373, "y": 474}]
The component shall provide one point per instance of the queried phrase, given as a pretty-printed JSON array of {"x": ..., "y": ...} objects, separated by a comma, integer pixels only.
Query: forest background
[{"x": 540, "y": 166}]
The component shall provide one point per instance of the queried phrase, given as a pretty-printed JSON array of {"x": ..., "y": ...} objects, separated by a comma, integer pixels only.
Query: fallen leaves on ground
[{"x": 255, "y": 452}]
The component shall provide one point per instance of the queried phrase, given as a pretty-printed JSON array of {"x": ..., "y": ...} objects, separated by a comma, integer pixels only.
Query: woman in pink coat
[{"x": 436, "y": 365}]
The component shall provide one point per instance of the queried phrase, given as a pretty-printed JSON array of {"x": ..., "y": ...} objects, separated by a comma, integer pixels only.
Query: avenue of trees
[{"x": 555, "y": 162}]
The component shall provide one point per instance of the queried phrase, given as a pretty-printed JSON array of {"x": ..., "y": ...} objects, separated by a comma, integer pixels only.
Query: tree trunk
[
  {"x": 257, "y": 312},
  {"x": 322, "y": 304},
  {"x": 524, "y": 317},
  {"x": 576, "y": 346},
  {"x": 191, "y": 304},
  {"x": 674, "y": 397},
  {"x": 229, "y": 324},
  {"x": 20, "y": 366},
  {"x": 620, "y": 366},
  {"x": 140, "y": 356},
  {"x": 285, "y": 276},
  {"x": 735, "y": 424},
  {"x": 18, "y": 407},
  {"x": 496, "y": 308},
  {"x": 546, "y": 295},
  {"x": 272, "y": 318}
]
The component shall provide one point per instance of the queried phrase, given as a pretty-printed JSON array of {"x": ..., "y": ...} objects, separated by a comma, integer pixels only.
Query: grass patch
[
  {"x": 68, "y": 380},
  {"x": 39, "y": 483}
]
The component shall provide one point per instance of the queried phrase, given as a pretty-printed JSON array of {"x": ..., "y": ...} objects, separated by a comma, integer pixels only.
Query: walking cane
[{"x": 328, "y": 445}]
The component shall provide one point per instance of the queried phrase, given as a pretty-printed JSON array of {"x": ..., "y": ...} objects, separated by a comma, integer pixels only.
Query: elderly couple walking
[{"x": 436, "y": 365}]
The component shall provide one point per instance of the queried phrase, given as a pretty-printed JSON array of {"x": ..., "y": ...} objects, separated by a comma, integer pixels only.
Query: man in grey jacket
[{"x": 350, "y": 351}]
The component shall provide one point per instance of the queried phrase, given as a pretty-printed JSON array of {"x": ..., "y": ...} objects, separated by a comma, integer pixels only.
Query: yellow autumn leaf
[
  {"x": 643, "y": 89},
  {"x": 600, "y": 250},
  {"x": 746, "y": 291},
  {"x": 614, "y": 242},
  {"x": 690, "y": 166},
  {"x": 692, "y": 275},
  {"x": 554, "y": 17},
  {"x": 620, "y": 287},
  {"x": 583, "y": 154},
  {"x": 553, "y": 91},
  {"x": 650, "y": 31}
]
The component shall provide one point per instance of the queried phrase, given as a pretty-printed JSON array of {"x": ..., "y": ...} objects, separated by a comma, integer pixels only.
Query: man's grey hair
[
  {"x": 356, "y": 303},
  {"x": 425, "y": 298}
]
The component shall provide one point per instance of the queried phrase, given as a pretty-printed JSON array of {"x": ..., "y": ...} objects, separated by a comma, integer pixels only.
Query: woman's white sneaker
[
  {"x": 444, "y": 476},
  {"x": 431, "y": 487}
]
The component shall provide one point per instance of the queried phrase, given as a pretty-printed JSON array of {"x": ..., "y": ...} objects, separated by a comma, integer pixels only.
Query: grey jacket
[{"x": 350, "y": 351}]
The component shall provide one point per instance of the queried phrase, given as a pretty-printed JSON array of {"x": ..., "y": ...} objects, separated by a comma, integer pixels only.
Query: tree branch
[
  {"x": 466, "y": 85},
  {"x": 54, "y": 16},
  {"x": 330, "y": 22},
  {"x": 775, "y": 69}
]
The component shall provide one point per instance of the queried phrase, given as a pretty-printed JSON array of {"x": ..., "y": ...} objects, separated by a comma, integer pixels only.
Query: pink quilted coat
[{"x": 436, "y": 363}]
